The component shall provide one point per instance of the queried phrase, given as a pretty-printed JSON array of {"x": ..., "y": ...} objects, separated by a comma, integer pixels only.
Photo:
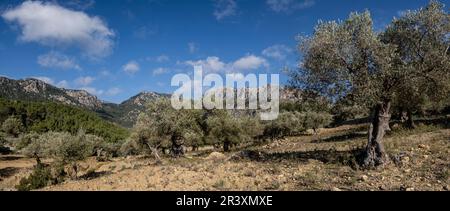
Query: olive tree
[
  {"x": 162, "y": 126},
  {"x": 146, "y": 138},
  {"x": 26, "y": 140},
  {"x": 64, "y": 147},
  {"x": 252, "y": 127},
  {"x": 315, "y": 120},
  {"x": 348, "y": 59},
  {"x": 195, "y": 128},
  {"x": 287, "y": 123},
  {"x": 421, "y": 39},
  {"x": 225, "y": 130},
  {"x": 347, "y": 109}
]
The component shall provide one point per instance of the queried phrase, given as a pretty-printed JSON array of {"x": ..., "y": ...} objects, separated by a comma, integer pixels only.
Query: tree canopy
[{"x": 408, "y": 62}]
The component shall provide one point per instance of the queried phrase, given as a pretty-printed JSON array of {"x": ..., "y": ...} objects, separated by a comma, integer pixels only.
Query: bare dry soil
[{"x": 311, "y": 162}]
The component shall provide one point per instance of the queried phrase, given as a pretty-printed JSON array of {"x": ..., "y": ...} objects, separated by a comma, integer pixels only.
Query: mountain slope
[
  {"x": 136, "y": 104},
  {"x": 27, "y": 90},
  {"x": 36, "y": 90}
]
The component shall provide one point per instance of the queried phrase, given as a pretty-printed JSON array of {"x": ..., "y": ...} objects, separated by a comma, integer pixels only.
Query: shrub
[
  {"x": 39, "y": 178},
  {"x": 12, "y": 126}
]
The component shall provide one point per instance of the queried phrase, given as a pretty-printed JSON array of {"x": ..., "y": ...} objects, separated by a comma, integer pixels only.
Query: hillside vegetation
[{"x": 42, "y": 117}]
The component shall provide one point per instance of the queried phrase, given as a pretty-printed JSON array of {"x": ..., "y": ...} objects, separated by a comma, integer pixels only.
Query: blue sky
[{"x": 117, "y": 48}]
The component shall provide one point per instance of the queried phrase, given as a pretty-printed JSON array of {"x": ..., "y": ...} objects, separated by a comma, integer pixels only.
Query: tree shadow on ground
[
  {"x": 341, "y": 138},
  {"x": 443, "y": 122},
  {"x": 349, "y": 158},
  {"x": 8, "y": 171},
  {"x": 10, "y": 158},
  {"x": 94, "y": 174},
  {"x": 352, "y": 122},
  {"x": 5, "y": 150}
]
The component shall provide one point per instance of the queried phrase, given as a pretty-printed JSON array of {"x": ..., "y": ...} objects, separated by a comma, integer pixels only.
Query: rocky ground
[{"x": 321, "y": 162}]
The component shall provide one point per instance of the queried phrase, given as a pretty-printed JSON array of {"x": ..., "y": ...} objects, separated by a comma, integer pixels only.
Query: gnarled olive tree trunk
[
  {"x": 177, "y": 149},
  {"x": 375, "y": 154},
  {"x": 406, "y": 117},
  {"x": 226, "y": 146},
  {"x": 410, "y": 121}
]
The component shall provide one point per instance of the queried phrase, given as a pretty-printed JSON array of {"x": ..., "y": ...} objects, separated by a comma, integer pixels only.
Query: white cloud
[
  {"x": 93, "y": 90},
  {"x": 113, "y": 91},
  {"x": 236, "y": 76},
  {"x": 48, "y": 80},
  {"x": 84, "y": 81},
  {"x": 211, "y": 64},
  {"x": 279, "y": 52},
  {"x": 250, "y": 62},
  {"x": 45, "y": 79},
  {"x": 53, "y": 25},
  {"x": 77, "y": 4},
  {"x": 288, "y": 6},
  {"x": 57, "y": 61},
  {"x": 160, "y": 71},
  {"x": 63, "y": 84},
  {"x": 131, "y": 67},
  {"x": 81, "y": 83},
  {"x": 225, "y": 8},
  {"x": 192, "y": 47},
  {"x": 162, "y": 58},
  {"x": 105, "y": 73}
]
